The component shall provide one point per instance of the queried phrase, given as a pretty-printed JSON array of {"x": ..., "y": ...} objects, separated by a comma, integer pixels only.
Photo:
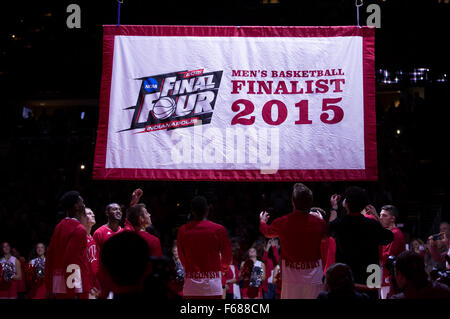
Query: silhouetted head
[
  {"x": 356, "y": 199},
  {"x": 339, "y": 278},
  {"x": 73, "y": 205},
  {"x": 302, "y": 197},
  {"x": 199, "y": 207},
  {"x": 126, "y": 258}
]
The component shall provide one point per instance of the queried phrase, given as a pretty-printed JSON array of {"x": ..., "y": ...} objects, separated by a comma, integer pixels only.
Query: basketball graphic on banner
[{"x": 164, "y": 108}]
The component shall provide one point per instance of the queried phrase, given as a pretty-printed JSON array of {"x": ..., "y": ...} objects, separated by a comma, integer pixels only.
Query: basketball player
[
  {"x": 388, "y": 218},
  {"x": 114, "y": 214},
  {"x": 135, "y": 197},
  {"x": 92, "y": 251},
  {"x": 139, "y": 218},
  {"x": 300, "y": 235},
  {"x": 205, "y": 252},
  {"x": 67, "y": 270}
]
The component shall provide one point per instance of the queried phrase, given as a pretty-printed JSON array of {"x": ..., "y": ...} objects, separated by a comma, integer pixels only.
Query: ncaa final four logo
[{"x": 175, "y": 100}]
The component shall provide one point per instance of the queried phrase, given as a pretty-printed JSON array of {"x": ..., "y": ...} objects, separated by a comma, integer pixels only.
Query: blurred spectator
[
  {"x": 35, "y": 273},
  {"x": 436, "y": 253},
  {"x": 419, "y": 247},
  {"x": 22, "y": 283},
  {"x": 277, "y": 281},
  {"x": 253, "y": 272},
  {"x": 339, "y": 284},
  {"x": 10, "y": 274},
  {"x": 413, "y": 280},
  {"x": 388, "y": 218},
  {"x": 444, "y": 227},
  {"x": 270, "y": 258}
]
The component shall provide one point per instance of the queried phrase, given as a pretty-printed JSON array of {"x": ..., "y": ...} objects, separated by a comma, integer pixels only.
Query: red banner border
[{"x": 370, "y": 173}]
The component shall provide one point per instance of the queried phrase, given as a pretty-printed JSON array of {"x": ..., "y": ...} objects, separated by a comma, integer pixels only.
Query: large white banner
[{"x": 230, "y": 103}]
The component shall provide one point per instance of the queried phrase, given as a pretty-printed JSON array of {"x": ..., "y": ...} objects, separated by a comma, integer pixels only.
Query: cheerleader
[
  {"x": 35, "y": 273},
  {"x": 253, "y": 273},
  {"x": 10, "y": 272}
]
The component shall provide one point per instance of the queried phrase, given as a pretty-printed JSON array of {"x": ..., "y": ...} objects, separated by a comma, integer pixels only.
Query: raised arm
[
  {"x": 334, "y": 201},
  {"x": 136, "y": 196},
  {"x": 436, "y": 255},
  {"x": 269, "y": 231},
  {"x": 225, "y": 250},
  {"x": 371, "y": 211}
]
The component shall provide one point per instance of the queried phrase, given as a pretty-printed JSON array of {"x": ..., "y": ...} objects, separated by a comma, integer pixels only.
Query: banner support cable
[
  {"x": 357, "y": 11},
  {"x": 119, "y": 2}
]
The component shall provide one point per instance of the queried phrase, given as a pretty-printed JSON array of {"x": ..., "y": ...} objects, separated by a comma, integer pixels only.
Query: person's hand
[
  {"x": 434, "y": 243},
  {"x": 264, "y": 217},
  {"x": 135, "y": 196},
  {"x": 94, "y": 292},
  {"x": 334, "y": 200},
  {"x": 370, "y": 210},
  {"x": 274, "y": 243}
]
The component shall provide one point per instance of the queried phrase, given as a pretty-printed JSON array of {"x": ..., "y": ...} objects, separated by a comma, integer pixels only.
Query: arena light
[
  {"x": 82, "y": 166},
  {"x": 398, "y": 132},
  {"x": 443, "y": 78}
]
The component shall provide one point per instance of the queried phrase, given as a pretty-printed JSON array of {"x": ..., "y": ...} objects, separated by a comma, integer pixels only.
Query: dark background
[{"x": 56, "y": 72}]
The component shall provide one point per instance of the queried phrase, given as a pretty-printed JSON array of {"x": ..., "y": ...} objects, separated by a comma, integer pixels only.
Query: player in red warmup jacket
[
  {"x": 67, "y": 269},
  {"x": 93, "y": 253},
  {"x": 140, "y": 219},
  {"x": 388, "y": 216},
  {"x": 114, "y": 214},
  {"x": 300, "y": 235},
  {"x": 135, "y": 197},
  {"x": 205, "y": 252}
]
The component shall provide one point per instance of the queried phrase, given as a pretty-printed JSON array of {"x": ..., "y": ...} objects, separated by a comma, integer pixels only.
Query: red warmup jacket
[
  {"x": 328, "y": 252},
  {"x": 128, "y": 226},
  {"x": 153, "y": 243},
  {"x": 68, "y": 247},
  {"x": 300, "y": 236},
  {"x": 203, "y": 246},
  {"x": 103, "y": 233},
  {"x": 94, "y": 260}
]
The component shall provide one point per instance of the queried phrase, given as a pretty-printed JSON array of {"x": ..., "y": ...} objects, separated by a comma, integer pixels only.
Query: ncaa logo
[{"x": 150, "y": 85}]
